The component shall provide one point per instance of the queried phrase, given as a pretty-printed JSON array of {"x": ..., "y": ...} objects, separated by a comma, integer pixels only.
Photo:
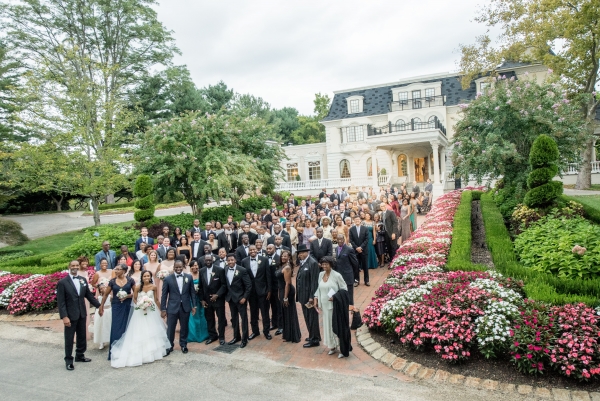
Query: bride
[{"x": 146, "y": 337}]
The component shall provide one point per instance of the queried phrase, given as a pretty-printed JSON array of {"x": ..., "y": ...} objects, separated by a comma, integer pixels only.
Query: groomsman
[
  {"x": 321, "y": 246},
  {"x": 211, "y": 292},
  {"x": 275, "y": 303},
  {"x": 71, "y": 292},
  {"x": 238, "y": 291},
  {"x": 198, "y": 247},
  {"x": 243, "y": 250},
  {"x": 196, "y": 228},
  {"x": 307, "y": 281},
  {"x": 359, "y": 239},
  {"x": 208, "y": 230},
  {"x": 390, "y": 222},
  {"x": 143, "y": 238},
  {"x": 228, "y": 239},
  {"x": 164, "y": 248},
  {"x": 258, "y": 271},
  {"x": 346, "y": 264},
  {"x": 221, "y": 259}
]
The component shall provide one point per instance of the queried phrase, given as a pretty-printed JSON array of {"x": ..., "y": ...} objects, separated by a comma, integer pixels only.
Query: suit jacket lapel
[
  {"x": 177, "y": 285},
  {"x": 70, "y": 280}
]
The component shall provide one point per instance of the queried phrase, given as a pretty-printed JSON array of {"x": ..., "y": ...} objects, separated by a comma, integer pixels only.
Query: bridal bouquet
[
  {"x": 144, "y": 303},
  {"x": 162, "y": 274},
  {"x": 121, "y": 294}
]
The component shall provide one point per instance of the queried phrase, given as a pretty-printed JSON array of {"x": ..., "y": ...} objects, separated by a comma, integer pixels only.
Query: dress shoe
[
  {"x": 252, "y": 336},
  {"x": 356, "y": 284},
  {"x": 307, "y": 340},
  {"x": 340, "y": 356},
  {"x": 268, "y": 336},
  {"x": 222, "y": 342},
  {"x": 235, "y": 340},
  {"x": 70, "y": 366},
  {"x": 243, "y": 344},
  {"x": 368, "y": 284},
  {"x": 210, "y": 341},
  {"x": 311, "y": 344},
  {"x": 84, "y": 359},
  {"x": 331, "y": 351},
  {"x": 278, "y": 332},
  {"x": 184, "y": 350},
  {"x": 272, "y": 328}
]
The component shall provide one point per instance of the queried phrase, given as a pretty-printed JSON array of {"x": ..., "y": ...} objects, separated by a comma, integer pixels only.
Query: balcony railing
[
  {"x": 412, "y": 125},
  {"x": 332, "y": 183},
  {"x": 573, "y": 168},
  {"x": 417, "y": 103}
]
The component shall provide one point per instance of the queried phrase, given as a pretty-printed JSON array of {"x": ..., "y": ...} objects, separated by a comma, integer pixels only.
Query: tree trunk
[
  {"x": 58, "y": 202},
  {"x": 96, "y": 211},
  {"x": 584, "y": 178}
]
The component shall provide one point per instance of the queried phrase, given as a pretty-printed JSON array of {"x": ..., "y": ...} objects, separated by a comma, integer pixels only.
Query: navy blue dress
[{"x": 120, "y": 310}]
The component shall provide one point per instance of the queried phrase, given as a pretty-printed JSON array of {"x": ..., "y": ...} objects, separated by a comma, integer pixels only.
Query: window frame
[
  {"x": 353, "y": 109},
  {"x": 355, "y": 133},
  {"x": 290, "y": 167},
  {"x": 345, "y": 163},
  {"x": 314, "y": 170}
]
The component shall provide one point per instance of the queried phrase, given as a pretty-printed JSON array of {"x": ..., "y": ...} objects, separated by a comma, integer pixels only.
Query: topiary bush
[
  {"x": 144, "y": 204},
  {"x": 543, "y": 159},
  {"x": 11, "y": 232}
]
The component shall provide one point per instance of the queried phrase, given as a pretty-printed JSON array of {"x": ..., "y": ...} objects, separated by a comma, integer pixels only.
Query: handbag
[{"x": 356, "y": 320}]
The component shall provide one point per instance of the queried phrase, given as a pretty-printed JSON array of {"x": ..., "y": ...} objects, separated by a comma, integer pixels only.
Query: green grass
[
  {"x": 594, "y": 187},
  {"x": 591, "y": 206},
  {"x": 52, "y": 243}
]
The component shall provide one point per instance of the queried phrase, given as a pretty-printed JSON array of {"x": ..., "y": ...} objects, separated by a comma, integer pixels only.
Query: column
[
  {"x": 443, "y": 151},
  {"x": 375, "y": 178},
  {"x": 436, "y": 163}
]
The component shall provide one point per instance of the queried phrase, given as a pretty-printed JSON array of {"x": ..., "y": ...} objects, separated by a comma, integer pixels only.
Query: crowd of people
[{"x": 311, "y": 252}]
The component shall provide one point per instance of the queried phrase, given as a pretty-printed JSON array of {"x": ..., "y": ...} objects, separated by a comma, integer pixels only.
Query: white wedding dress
[{"x": 144, "y": 341}]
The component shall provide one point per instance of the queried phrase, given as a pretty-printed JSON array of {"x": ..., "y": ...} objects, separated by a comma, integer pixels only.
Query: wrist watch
[{"x": 285, "y": 299}]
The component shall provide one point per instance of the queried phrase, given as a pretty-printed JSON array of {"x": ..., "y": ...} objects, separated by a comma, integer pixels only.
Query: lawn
[
  {"x": 594, "y": 187},
  {"x": 589, "y": 200}
]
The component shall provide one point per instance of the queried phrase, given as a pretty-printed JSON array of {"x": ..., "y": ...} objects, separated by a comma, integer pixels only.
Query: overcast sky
[{"x": 286, "y": 51}]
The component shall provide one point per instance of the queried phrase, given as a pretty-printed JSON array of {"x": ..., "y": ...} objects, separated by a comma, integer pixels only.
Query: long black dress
[
  {"x": 120, "y": 310},
  {"x": 291, "y": 326}
]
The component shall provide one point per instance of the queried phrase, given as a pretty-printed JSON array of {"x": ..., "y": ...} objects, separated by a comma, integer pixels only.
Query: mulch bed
[{"x": 479, "y": 250}]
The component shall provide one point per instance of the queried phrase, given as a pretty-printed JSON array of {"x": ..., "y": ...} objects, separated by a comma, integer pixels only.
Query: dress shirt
[
  {"x": 320, "y": 240},
  {"x": 195, "y": 251},
  {"x": 253, "y": 266},
  {"x": 208, "y": 273},
  {"x": 76, "y": 283},
  {"x": 339, "y": 250},
  {"x": 230, "y": 272},
  {"x": 278, "y": 251},
  {"x": 179, "y": 278},
  {"x": 358, "y": 231}
]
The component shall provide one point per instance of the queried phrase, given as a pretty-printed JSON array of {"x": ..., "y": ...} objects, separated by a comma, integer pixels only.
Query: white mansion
[{"x": 391, "y": 133}]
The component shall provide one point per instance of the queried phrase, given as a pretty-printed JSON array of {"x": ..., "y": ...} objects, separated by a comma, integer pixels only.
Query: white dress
[
  {"x": 144, "y": 341},
  {"x": 335, "y": 282},
  {"x": 102, "y": 323}
]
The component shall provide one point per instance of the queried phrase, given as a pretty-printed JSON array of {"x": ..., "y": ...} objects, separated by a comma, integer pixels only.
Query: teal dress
[
  {"x": 372, "y": 261},
  {"x": 198, "y": 328}
]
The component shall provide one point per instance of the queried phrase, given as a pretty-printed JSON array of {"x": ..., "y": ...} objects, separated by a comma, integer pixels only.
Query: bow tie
[
  {"x": 254, "y": 260},
  {"x": 232, "y": 268}
]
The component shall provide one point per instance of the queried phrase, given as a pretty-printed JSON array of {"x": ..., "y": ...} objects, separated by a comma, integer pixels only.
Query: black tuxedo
[
  {"x": 251, "y": 237},
  {"x": 326, "y": 248},
  {"x": 241, "y": 253},
  {"x": 204, "y": 235},
  {"x": 293, "y": 202},
  {"x": 347, "y": 266},
  {"x": 285, "y": 239},
  {"x": 261, "y": 287},
  {"x": 224, "y": 243},
  {"x": 334, "y": 196},
  {"x": 200, "y": 252},
  {"x": 72, "y": 305},
  {"x": 274, "y": 302},
  {"x": 217, "y": 285},
  {"x": 283, "y": 248},
  {"x": 390, "y": 222},
  {"x": 360, "y": 240},
  {"x": 178, "y": 305},
  {"x": 238, "y": 289},
  {"x": 307, "y": 282}
]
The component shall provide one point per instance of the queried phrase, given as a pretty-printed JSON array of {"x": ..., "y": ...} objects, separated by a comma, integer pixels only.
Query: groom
[
  {"x": 70, "y": 294},
  {"x": 176, "y": 303}
]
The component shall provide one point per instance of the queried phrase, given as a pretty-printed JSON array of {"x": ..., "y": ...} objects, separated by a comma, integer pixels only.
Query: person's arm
[
  {"x": 105, "y": 295},
  {"x": 97, "y": 262},
  {"x": 314, "y": 277},
  {"x": 95, "y": 280},
  {"x": 90, "y": 297},
  {"x": 223, "y": 289},
  {"x": 363, "y": 245},
  {"x": 375, "y": 231},
  {"x": 163, "y": 297},
  {"x": 353, "y": 259},
  {"x": 269, "y": 278},
  {"x": 62, "y": 304},
  {"x": 135, "y": 293},
  {"x": 287, "y": 276},
  {"x": 192, "y": 293},
  {"x": 247, "y": 286}
]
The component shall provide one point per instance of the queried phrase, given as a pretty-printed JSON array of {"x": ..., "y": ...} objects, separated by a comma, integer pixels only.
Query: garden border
[{"x": 418, "y": 371}]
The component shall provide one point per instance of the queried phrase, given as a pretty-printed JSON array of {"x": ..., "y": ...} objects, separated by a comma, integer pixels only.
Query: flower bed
[{"x": 456, "y": 313}]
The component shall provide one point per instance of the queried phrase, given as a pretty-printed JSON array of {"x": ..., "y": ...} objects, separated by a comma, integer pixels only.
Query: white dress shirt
[
  {"x": 195, "y": 251},
  {"x": 208, "y": 273},
  {"x": 76, "y": 283},
  {"x": 179, "y": 278},
  {"x": 254, "y": 266},
  {"x": 230, "y": 271}
]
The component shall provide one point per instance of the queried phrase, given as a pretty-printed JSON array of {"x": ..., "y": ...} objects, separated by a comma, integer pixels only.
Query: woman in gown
[
  {"x": 198, "y": 328},
  {"x": 405, "y": 214},
  {"x": 329, "y": 280},
  {"x": 413, "y": 213},
  {"x": 145, "y": 340},
  {"x": 102, "y": 324},
  {"x": 287, "y": 296},
  {"x": 120, "y": 306},
  {"x": 176, "y": 237},
  {"x": 135, "y": 272},
  {"x": 308, "y": 232},
  {"x": 380, "y": 239},
  {"x": 214, "y": 244},
  {"x": 184, "y": 248},
  {"x": 371, "y": 253},
  {"x": 166, "y": 267}
]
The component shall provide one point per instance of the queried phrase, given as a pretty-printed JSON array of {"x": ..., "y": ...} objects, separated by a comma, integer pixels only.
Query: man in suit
[
  {"x": 221, "y": 259},
  {"x": 416, "y": 189},
  {"x": 429, "y": 186},
  {"x": 307, "y": 281},
  {"x": 304, "y": 207},
  {"x": 143, "y": 238},
  {"x": 343, "y": 195},
  {"x": 258, "y": 271},
  {"x": 243, "y": 250},
  {"x": 359, "y": 239},
  {"x": 167, "y": 233},
  {"x": 177, "y": 301},
  {"x": 207, "y": 231},
  {"x": 343, "y": 212},
  {"x": 277, "y": 230},
  {"x": 196, "y": 228},
  {"x": 321, "y": 246},
  {"x": 228, "y": 239},
  {"x": 105, "y": 253},
  {"x": 71, "y": 292},
  {"x": 164, "y": 248},
  {"x": 259, "y": 248},
  {"x": 274, "y": 302},
  {"x": 211, "y": 292},
  {"x": 292, "y": 200},
  {"x": 346, "y": 264},
  {"x": 251, "y": 236},
  {"x": 362, "y": 194},
  {"x": 334, "y": 196},
  {"x": 262, "y": 234},
  {"x": 198, "y": 247},
  {"x": 390, "y": 222},
  {"x": 323, "y": 194},
  {"x": 279, "y": 247},
  {"x": 238, "y": 291}
]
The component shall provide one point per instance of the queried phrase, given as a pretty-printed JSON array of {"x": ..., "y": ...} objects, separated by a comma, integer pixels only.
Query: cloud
[{"x": 286, "y": 51}]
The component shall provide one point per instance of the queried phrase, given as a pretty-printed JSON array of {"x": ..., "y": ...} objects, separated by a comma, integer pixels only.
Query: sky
[{"x": 286, "y": 51}]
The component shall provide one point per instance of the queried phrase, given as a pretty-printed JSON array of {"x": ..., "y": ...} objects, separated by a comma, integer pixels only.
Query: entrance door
[{"x": 421, "y": 170}]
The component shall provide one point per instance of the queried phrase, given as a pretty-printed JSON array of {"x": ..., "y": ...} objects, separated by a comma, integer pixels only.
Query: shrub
[
  {"x": 183, "y": 220},
  {"x": 564, "y": 247},
  {"x": 221, "y": 213},
  {"x": 523, "y": 217},
  {"x": 590, "y": 209},
  {"x": 11, "y": 232},
  {"x": 255, "y": 204},
  {"x": 54, "y": 258},
  {"x": 460, "y": 249},
  {"x": 15, "y": 255},
  {"x": 543, "y": 159},
  {"x": 145, "y": 202},
  {"x": 33, "y": 260},
  {"x": 91, "y": 241}
]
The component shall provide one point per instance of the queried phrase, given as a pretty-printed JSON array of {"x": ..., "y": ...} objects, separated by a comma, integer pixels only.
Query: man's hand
[
  {"x": 242, "y": 301},
  {"x": 101, "y": 310},
  {"x": 204, "y": 304},
  {"x": 213, "y": 297},
  {"x": 393, "y": 236},
  {"x": 193, "y": 311},
  {"x": 359, "y": 249},
  {"x": 67, "y": 321},
  {"x": 268, "y": 295},
  {"x": 163, "y": 314}
]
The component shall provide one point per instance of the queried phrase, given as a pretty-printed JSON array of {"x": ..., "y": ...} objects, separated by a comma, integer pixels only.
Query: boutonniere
[
  {"x": 237, "y": 272},
  {"x": 82, "y": 283},
  {"x": 212, "y": 274},
  {"x": 186, "y": 280},
  {"x": 259, "y": 262}
]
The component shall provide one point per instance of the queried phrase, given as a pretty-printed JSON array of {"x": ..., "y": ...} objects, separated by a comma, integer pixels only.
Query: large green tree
[
  {"x": 82, "y": 58},
  {"x": 562, "y": 34},
  {"x": 10, "y": 73}
]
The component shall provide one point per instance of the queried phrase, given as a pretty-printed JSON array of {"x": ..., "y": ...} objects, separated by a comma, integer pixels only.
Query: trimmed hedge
[
  {"x": 538, "y": 286},
  {"x": 36, "y": 269},
  {"x": 145, "y": 199},
  {"x": 460, "y": 249},
  {"x": 110, "y": 206},
  {"x": 543, "y": 158}
]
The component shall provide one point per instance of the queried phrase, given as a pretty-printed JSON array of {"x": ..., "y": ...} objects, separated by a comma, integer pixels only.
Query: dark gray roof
[
  {"x": 512, "y": 64},
  {"x": 376, "y": 100}
]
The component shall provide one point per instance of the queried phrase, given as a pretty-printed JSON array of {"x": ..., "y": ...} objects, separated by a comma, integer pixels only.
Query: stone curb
[
  {"x": 29, "y": 318},
  {"x": 418, "y": 371}
]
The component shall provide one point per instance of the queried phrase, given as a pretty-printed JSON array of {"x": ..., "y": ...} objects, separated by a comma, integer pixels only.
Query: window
[
  {"x": 403, "y": 97},
  {"x": 429, "y": 94},
  {"x": 354, "y": 106},
  {"x": 355, "y": 133},
  {"x": 483, "y": 86},
  {"x": 344, "y": 169},
  {"x": 416, "y": 123},
  {"x": 314, "y": 170},
  {"x": 402, "y": 170},
  {"x": 416, "y": 95},
  {"x": 400, "y": 125},
  {"x": 432, "y": 120},
  {"x": 292, "y": 171},
  {"x": 370, "y": 167}
]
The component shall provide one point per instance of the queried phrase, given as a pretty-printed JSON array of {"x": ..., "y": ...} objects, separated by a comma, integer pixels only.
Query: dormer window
[{"x": 355, "y": 104}]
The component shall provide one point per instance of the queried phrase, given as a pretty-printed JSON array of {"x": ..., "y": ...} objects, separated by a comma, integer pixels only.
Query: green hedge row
[
  {"x": 36, "y": 269},
  {"x": 110, "y": 206},
  {"x": 459, "y": 257},
  {"x": 539, "y": 286}
]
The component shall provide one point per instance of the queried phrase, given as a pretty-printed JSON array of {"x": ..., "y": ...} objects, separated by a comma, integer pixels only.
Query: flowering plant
[
  {"x": 163, "y": 274},
  {"x": 8, "y": 292},
  {"x": 144, "y": 303},
  {"x": 121, "y": 294}
]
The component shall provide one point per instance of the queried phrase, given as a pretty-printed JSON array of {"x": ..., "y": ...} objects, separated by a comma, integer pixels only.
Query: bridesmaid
[
  {"x": 135, "y": 272},
  {"x": 184, "y": 248},
  {"x": 167, "y": 267},
  {"x": 121, "y": 306},
  {"x": 198, "y": 328},
  {"x": 287, "y": 296},
  {"x": 371, "y": 252},
  {"x": 413, "y": 213},
  {"x": 102, "y": 323},
  {"x": 405, "y": 213},
  {"x": 152, "y": 263}
]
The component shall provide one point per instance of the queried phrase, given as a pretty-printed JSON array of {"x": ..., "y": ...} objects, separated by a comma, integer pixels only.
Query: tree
[
  {"x": 285, "y": 121},
  {"x": 82, "y": 58},
  {"x": 10, "y": 72},
  {"x": 202, "y": 155},
  {"x": 250, "y": 106},
  {"x": 322, "y": 104},
  {"x": 11, "y": 233},
  {"x": 563, "y": 35},
  {"x": 217, "y": 97},
  {"x": 543, "y": 160},
  {"x": 145, "y": 199},
  {"x": 310, "y": 129},
  {"x": 495, "y": 135}
]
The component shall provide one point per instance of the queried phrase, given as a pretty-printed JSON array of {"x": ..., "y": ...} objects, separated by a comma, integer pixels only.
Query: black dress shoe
[
  {"x": 70, "y": 366},
  {"x": 278, "y": 332},
  {"x": 184, "y": 350},
  {"x": 222, "y": 342},
  {"x": 307, "y": 340},
  {"x": 210, "y": 341},
  {"x": 235, "y": 340},
  {"x": 252, "y": 336},
  {"x": 268, "y": 336},
  {"x": 311, "y": 344},
  {"x": 84, "y": 359},
  {"x": 243, "y": 344},
  {"x": 271, "y": 328}
]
